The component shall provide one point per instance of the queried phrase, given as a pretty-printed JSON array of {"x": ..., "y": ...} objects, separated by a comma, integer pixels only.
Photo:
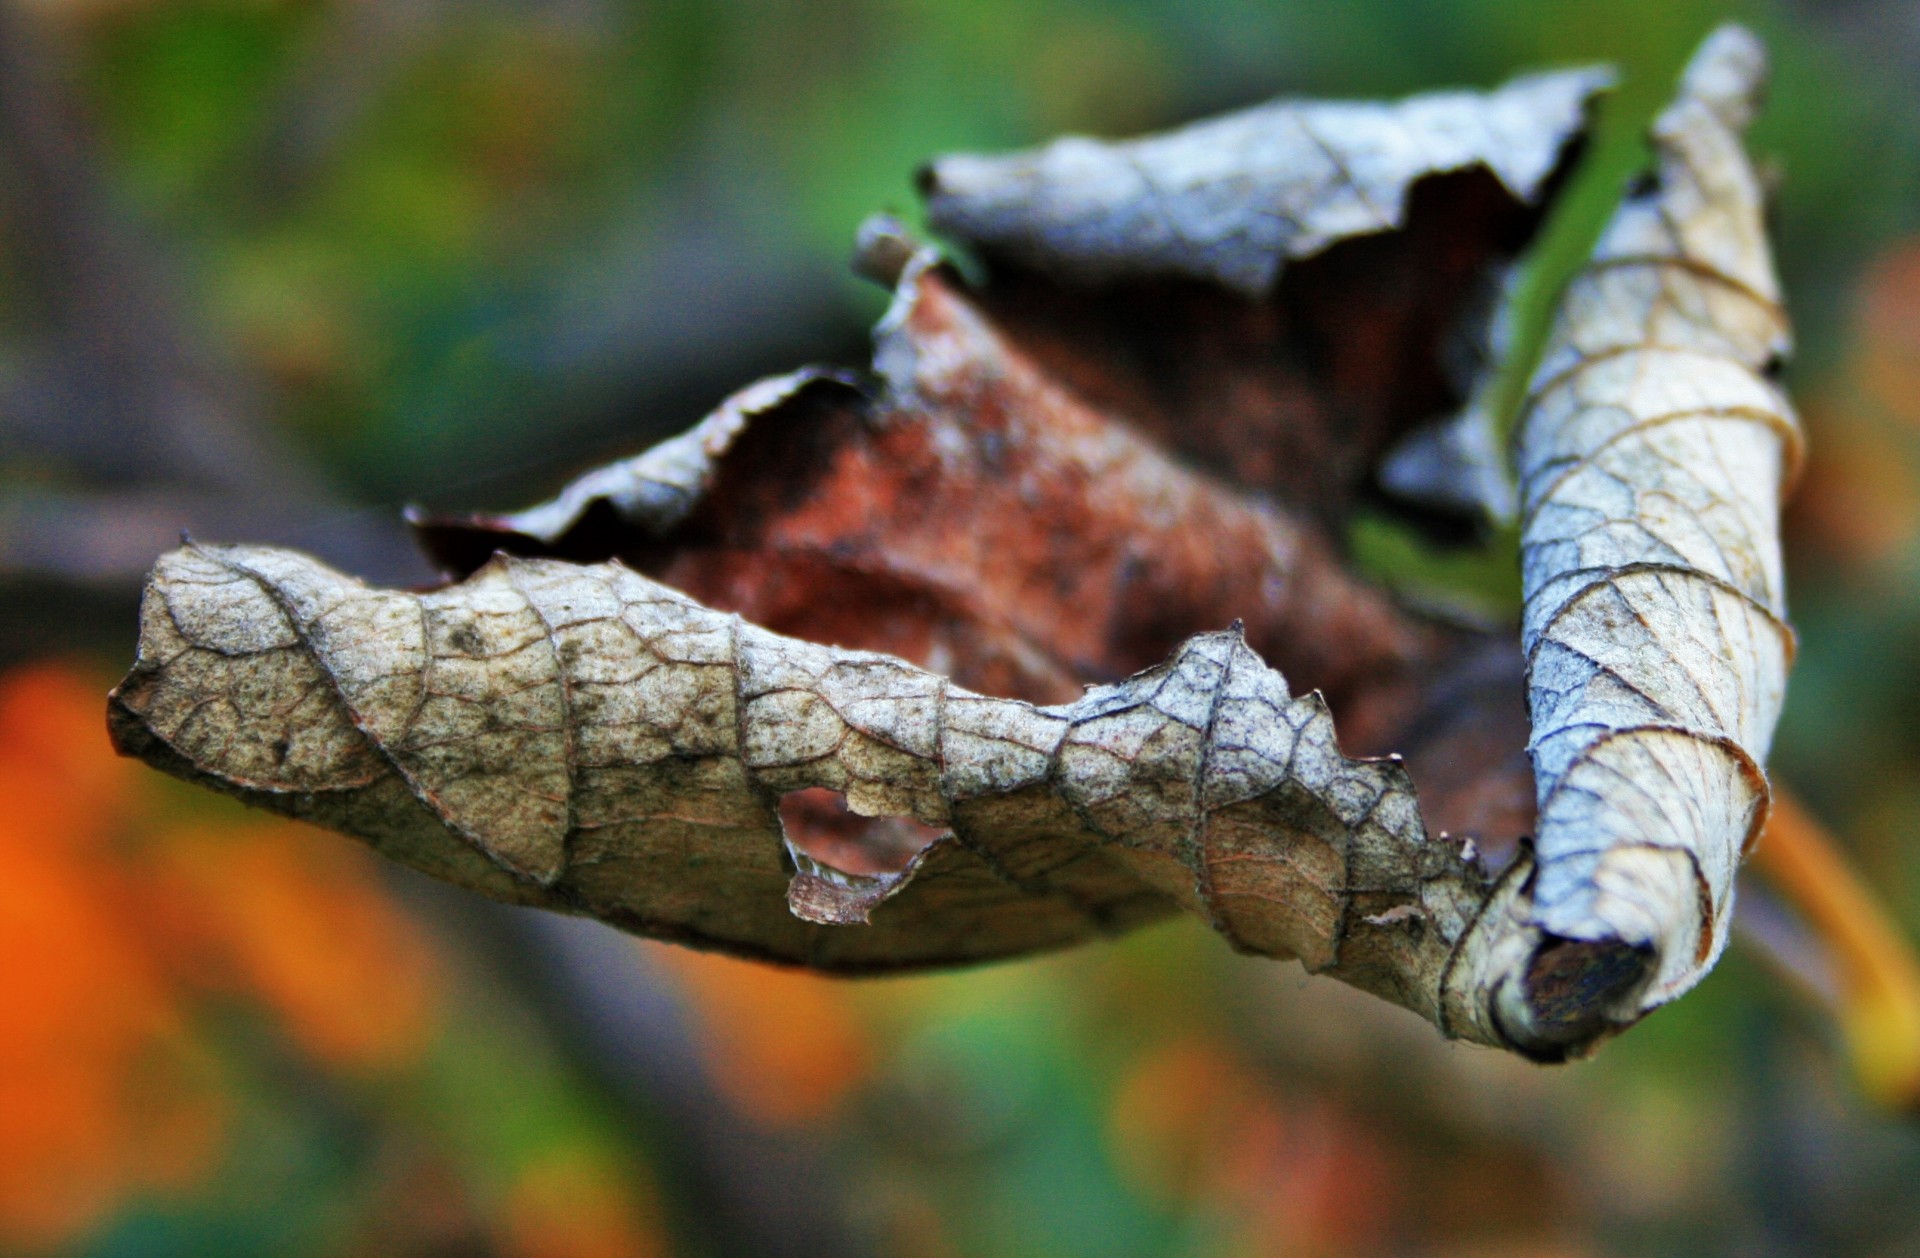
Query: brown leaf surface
[
  {"x": 977, "y": 517},
  {"x": 981, "y": 517},
  {"x": 1059, "y": 476}
]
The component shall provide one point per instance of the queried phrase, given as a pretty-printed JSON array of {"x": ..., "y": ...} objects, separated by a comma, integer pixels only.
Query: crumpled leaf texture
[
  {"x": 1270, "y": 295},
  {"x": 599, "y": 742},
  {"x": 1315, "y": 172},
  {"x": 1051, "y": 545},
  {"x": 1652, "y": 460},
  {"x": 583, "y": 737}
]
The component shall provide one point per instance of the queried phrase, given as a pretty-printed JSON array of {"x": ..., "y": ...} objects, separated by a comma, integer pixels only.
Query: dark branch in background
[
  {"x": 142, "y": 427},
  {"x": 749, "y": 1191}
]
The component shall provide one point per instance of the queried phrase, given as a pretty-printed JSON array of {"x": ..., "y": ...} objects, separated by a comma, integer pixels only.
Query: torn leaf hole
[{"x": 846, "y": 865}]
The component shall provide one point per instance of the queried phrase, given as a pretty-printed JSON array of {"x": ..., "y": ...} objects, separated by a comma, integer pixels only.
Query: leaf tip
[
  {"x": 1728, "y": 74},
  {"x": 883, "y": 248},
  {"x": 1571, "y": 990}
]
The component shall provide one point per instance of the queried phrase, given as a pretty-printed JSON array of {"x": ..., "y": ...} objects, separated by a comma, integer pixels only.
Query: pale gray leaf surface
[
  {"x": 1652, "y": 460},
  {"x": 1234, "y": 198},
  {"x": 655, "y": 489},
  {"x": 582, "y": 738}
]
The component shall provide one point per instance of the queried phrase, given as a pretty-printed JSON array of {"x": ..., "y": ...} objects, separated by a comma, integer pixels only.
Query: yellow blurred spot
[
  {"x": 573, "y": 1206},
  {"x": 1879, "y": 997}
]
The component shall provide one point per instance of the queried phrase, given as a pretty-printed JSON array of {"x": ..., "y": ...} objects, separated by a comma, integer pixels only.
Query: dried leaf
[
  {"x": 1458, "y": 463},
  {"x": 980, "y": 519},
  {"x": 1271, "y": 295},
  {"x": 1652, "y": 460},
  {"x": 586, "y": 739},
  {"x": 1233, "y": 199},
  {"x": 583, "y": 737},
  {"x": 975, "y": 516}
]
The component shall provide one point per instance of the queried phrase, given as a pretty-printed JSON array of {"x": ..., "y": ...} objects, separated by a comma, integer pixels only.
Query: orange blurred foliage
[
  {"x": 298, "y": 920},
  {"x": 784, "y": 1045},
  {"x": 1192, "y": 1125},
  {"x": 1172, "y": 1114},
  {"x": 1887, "y": 332},
  {"x": 1859, "y": 499},
  {"x": 93, "y": 1025},
  {"x": 112, "y": 926}
]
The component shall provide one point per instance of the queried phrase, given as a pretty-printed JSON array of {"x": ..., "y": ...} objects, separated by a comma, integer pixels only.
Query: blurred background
[{"x": 270, "y": 269}]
